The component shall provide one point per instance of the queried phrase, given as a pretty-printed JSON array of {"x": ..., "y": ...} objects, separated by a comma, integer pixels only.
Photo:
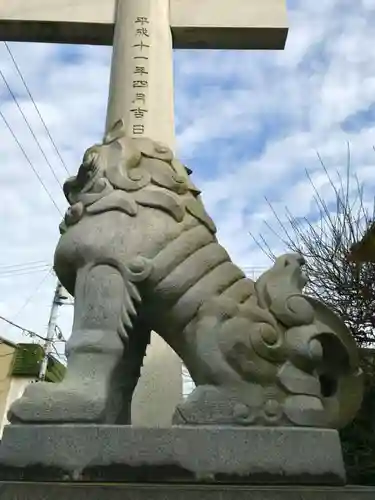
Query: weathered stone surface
[
  {"x": 139, "y": 252},
  {"x": 22, "y": 491},
  {"x": 260, "y": 25},
  {"x": 120, "y": 453}
]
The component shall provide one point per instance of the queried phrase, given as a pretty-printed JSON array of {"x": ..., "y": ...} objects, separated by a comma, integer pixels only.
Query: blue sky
[{"x": 248, "y": 124}]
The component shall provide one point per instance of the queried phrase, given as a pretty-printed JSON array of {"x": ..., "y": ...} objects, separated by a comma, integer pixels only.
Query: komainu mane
[{"x": 139, "y": 253}]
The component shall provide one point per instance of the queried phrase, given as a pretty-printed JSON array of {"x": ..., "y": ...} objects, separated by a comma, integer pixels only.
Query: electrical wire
[
  {"x": 36, "y": 107},
  {"x": 29, "y": 162},
  {"x": 59, "y": 334},
  {"x": 23, "y": 272},
  {"x": 25, "y": 267},
  {"x": 22, "y": 265},
  {"x": 253, "y": 269},
  {"x": 24, "y": 330},
  {"x": 32, "y": 296},
  {"x": 16, "y": 271},
  {"x": 30, "y": 128},
  {"x": 59, "y": 354},
  {"x": 253, "y": 272}
]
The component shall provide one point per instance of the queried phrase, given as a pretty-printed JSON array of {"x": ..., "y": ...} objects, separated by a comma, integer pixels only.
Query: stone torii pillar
[{"x": 143, "y": 34}]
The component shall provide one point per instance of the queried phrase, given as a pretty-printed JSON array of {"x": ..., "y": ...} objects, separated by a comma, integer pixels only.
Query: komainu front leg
[{"x": 92, "y": 390}]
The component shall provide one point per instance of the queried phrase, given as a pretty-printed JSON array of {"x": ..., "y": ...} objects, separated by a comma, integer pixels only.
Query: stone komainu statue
[{"x": 139, "y": 253}]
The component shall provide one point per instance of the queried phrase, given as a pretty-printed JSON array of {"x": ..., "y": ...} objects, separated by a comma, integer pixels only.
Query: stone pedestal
[
  {"x": 228, "y": 455},
  {"x": 83, "y": 462},
  {"x": 38, "y": 491}
]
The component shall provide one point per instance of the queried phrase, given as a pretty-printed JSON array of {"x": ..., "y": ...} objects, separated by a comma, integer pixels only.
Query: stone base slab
[
  {"x": 253, "y": 455},
  {"x": 58, "y": 491}
]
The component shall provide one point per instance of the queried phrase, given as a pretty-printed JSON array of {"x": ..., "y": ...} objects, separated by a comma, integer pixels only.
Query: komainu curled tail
[{"x": 289, "y": 359}]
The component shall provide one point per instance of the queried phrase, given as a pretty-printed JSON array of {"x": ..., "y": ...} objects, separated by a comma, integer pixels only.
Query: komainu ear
[{"x": 114, "y": 133}]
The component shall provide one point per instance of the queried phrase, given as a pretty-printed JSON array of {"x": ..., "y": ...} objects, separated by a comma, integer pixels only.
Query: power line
[
  {"x": 29, "y": 161},
  {"x": 36, "y": 107},
  {"x": 49, "y": 355},
  {"x": 60, "y": 355},
  {"x": 59, "y": 333},
  {"x": 32, "y": 296},
  {"x": 22, "y": 265},
  {"x": 30, "y": 128},
  {"x": 24, "y": 330},
  {"x": 23, "y": 272},
  {"x": 23, "y": 269},
  {"x": 253, "y": 268}
]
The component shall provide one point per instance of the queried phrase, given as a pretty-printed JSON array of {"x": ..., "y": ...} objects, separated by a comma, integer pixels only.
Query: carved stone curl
[{"x": 139, "y": 253}]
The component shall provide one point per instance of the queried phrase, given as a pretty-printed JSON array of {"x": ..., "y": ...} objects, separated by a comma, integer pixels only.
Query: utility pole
[{"x": 51, "y": 330}]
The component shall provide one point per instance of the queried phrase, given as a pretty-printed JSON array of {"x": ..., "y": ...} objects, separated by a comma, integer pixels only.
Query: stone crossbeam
[{"x": 195, "y": 24}]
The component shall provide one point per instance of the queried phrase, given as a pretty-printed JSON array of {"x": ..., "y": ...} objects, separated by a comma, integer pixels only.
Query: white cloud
[{"x": 249, "y": 124}]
